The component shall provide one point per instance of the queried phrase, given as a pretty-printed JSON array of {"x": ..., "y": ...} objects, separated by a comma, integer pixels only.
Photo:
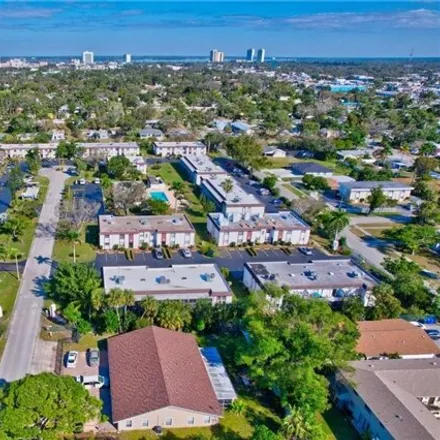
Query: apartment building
[
  {"x": 359, "y": 191},
  {"x": 331, "y": 280},
  {"x": 283, "y": 226},
  {"x": 151, "y": 230},
  {"x": 184, "y": 282},
  {"x": 201, "y": 167},
  {"x": 183, "y": 148},
  {"x": 234, "y": 203}
]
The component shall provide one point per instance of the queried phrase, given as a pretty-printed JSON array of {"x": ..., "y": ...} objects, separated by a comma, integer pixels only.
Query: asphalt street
[{"x": 25, "y": 323}]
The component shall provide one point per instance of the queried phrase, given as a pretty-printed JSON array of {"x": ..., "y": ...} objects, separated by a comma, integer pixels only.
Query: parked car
[
  {"x": 186, "y": 252},
  {"x": 97, "y": 181},
  {"x": 417, "y": 324},
  {"x": 82, "y": 181},
  {"x": 72, "y": 359},
  {"x": 96, "y": 381},
  {"x": 277, "y": 202},
  {"x": 305, "y": 250},
  {"x": 93, "y": 357},
  {"x": 158, "y": 253},
  {"x": 264, "y": 191},
  {"x": 433, "y": 333}
]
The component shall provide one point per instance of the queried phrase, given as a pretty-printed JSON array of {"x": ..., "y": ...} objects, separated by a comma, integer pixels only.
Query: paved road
[{"x": 25, "y": 324}]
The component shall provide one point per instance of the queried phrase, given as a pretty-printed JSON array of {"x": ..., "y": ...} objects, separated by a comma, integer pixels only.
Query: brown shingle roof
[
  {"x": 153, "y": 368},
  {"x": 393, "y": 336}
]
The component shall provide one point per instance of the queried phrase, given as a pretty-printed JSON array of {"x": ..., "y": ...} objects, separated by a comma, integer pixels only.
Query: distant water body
[{"x": 204, "y": 59}]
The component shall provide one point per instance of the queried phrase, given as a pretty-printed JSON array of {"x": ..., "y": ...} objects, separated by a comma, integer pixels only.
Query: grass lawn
[
  {"x": 294, "y": 190},
  {"x": 85, "y": 250},
  {"x": 88, "y": 341},
  {"x": 280, "y": 162},
  {"x": 8, "y": 292},
  {"x": 337, "y": 426}
]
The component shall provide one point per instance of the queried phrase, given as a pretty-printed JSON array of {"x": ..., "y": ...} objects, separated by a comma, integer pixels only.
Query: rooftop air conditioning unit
[{"x": 163, "y": 280}]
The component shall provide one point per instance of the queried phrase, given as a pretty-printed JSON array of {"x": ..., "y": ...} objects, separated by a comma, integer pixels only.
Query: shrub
[
  {"x": 225, "y": 272},
  {"x": 232, "y": 244}
]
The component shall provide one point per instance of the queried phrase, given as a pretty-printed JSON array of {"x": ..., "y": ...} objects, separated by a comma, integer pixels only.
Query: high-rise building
[
  {"x": 250, "y": 55},
  {"x": 127, "y": 58},
  {"x": 216, "y": 56},
  {"x": 88, "y": 57},
  {"x": 260, "y": 55}
]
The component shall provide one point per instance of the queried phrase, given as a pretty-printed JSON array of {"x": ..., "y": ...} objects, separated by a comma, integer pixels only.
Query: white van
[{"x": 92, "y": 381}]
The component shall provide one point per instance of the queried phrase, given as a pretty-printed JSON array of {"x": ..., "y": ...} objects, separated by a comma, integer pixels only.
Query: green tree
[
  {"x": 353, "y": 307},
  {"x": 270, "y": 181},
  {"x": 428, "y": 213},
  {"x": 423, "y": 165},
  {"x": 213, "y": 140},
  {"x": 118, "y": 167},
  {"x": 45, "y": 406},
  {"x": 246, "y": 151},
  {"x": 427, "y": 149},
  {"x": 377, "y": 198},
  {"x": 173, "y": 315},
  {"x": 15, "y": 226},
  {"x": 262, "y": 432},
  {"x": 15, "y": 180},
  {"x": 207, "y": 204},
  {"x": 8, "y": 252},
  {"x": 68, "y": 150},
  {"x": 178, "y": 189},
  {"x": 295, "y": 424},
  {"x": 79, "y": 284},
  {"x": 106, "y": 182},
  {"x": 33, "y": 160},
  {"x": 317, "y": 183},
  {"x": 70, "y": 236},
  {"x": 413, "y": 237},
  {"x": 386, "y": 306},
  {"x": 227, "y": 185},
  {"x": 150, "y": 307},
  {"x": 117, "y": 299},
  {"x": 334, "y": 222},
  {"x": 157, "y": 207}
]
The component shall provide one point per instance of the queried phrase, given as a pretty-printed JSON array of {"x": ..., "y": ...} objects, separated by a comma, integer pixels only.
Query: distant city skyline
[{"x": 289, "y": 29}]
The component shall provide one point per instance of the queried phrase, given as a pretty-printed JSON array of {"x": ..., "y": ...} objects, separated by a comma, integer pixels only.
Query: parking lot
[
  {"x": 233, "y": 259},
  {"x": 91, "y": 194}
]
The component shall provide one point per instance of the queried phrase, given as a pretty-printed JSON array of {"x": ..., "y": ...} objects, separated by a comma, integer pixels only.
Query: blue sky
[{"x": 284, "y": 28}]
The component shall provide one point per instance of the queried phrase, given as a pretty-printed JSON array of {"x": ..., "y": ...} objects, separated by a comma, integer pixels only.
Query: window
[
  {"x": 168, "y": 422},
  {"x": 207, "y": 419},
  {"x": 121, "y": 236},
  {"x": 191, "y": 420},
  {"x": 128, "y": 423},
  {"x": 145, "y": 423}
]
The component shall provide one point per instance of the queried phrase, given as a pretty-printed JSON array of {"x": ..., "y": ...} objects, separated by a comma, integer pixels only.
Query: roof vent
[
  {"x": 119, "y": 279},
  {"x": 143, "y": 279},
  {"x": 331, "y": 273},
  {"x": 162, "y": 280},
  {"x": 209, "y": 276}
]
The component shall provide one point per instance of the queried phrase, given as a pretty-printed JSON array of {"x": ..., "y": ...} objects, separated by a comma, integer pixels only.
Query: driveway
[{"x": 25, "y": 323}]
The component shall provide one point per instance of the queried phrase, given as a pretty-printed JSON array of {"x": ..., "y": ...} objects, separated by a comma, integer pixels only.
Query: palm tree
[
  {"x": 405, "y": 149},
  {"x": 295, "y": 426},
  {"x": 118, "y": 298},
  {"x": 334, "y": 221},
  {"x": 427, "y": 149},
  {"x": 8, "y": 252},
  {"x": 227, "y": 186},
  {"x": 149, "y": 306},
  {"x": 70, "y": 236},
  {"x": 178, "y": 189}
]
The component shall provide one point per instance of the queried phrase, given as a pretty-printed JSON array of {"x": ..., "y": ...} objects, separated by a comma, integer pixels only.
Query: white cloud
[{"x": 28, "y": 12}]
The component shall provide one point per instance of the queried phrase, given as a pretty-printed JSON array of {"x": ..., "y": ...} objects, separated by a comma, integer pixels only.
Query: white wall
[{"x": 181, "y": 239}]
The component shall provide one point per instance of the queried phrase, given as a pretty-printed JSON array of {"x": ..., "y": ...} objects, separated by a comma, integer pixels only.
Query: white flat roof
[
  {"x": 202, "y": 165},
  {"x": 238, "y": 196},
  {"x": 178, "y": 278},
  {"x": 192, "y": 144},
  {"x": 54, "y": 145}
]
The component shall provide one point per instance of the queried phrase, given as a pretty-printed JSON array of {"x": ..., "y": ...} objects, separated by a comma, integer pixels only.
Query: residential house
[
  {"x": 183, "y": 282},
  {"x": 149, "y": 132},
  {"x": 311, "y": 168},
  {"x": 271, "y": 151},
  {"x": 359, "y": 191},
  {"x": 237, "y": 201},
  {"x": 101, "y": 135},
  {"x": 394, "y": 336},
  {"x": 283, "y": 226},
  {"x": 391, "y": 399},
  {"x": 184, "y": 148},
  {"x": 241, "y": 127},
  {"x": 159, "y": 378},
  {"x": 58, "y": 135},
  {"x": 330, "y": 279},
  {"x": 201, "y": 167},
  {"x": 150, "y": 230}
]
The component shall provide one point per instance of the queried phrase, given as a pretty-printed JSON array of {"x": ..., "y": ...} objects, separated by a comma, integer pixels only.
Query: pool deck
[{"x": 169, "y": 194}]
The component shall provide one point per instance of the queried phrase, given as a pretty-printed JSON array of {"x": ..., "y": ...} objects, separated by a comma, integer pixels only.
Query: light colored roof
[
  {"x": 283, "y": 220},
  {"x": 318, "y": 274},
  {"x": 202, "y": 165},
  {"x": 196, "y": 144},
  {"x": 110, "y": 224},
  {"x": 372, "y": 184},
  {"x": 238, "y": 196},
  {"x": 389, "y": 336},
  {"x": 390, "y": 389},
  {"x": 178, "y": 278},
  {"x": 80, "y": 144}
]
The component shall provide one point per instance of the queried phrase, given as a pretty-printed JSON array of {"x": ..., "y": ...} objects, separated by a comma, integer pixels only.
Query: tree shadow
[{"x": 92, "y": 235}]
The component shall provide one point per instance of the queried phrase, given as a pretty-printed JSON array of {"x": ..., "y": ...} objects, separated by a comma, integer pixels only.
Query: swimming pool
[{"x": 159, "y": 195}]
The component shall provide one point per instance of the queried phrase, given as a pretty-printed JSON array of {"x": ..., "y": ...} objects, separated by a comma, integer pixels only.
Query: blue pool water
[
  {"x": 346, "y": 88},
  {"x": 159, "y": 195}
]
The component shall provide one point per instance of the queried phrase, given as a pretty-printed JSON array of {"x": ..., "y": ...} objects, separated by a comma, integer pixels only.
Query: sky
[{"x": 284, "y": 28}]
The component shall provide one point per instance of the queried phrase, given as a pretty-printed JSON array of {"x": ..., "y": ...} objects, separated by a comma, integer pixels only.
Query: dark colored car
[{"x": 433, "y": 333}]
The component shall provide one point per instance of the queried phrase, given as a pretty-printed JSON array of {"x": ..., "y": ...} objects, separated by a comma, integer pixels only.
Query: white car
[
  {"x": 82, "y": 181},
  {"x": 72, "y": 359},
  {"x": 417, "y": 324},
  {"x": 264, "y": 192},
  {"x": 97, "y": 181},
  {"x": 97, "y": 381},
  {"x": 186, "y": 252}
]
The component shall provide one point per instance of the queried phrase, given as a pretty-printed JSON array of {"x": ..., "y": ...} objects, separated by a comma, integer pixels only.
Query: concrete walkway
[{"x": 24, "y": 328}]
